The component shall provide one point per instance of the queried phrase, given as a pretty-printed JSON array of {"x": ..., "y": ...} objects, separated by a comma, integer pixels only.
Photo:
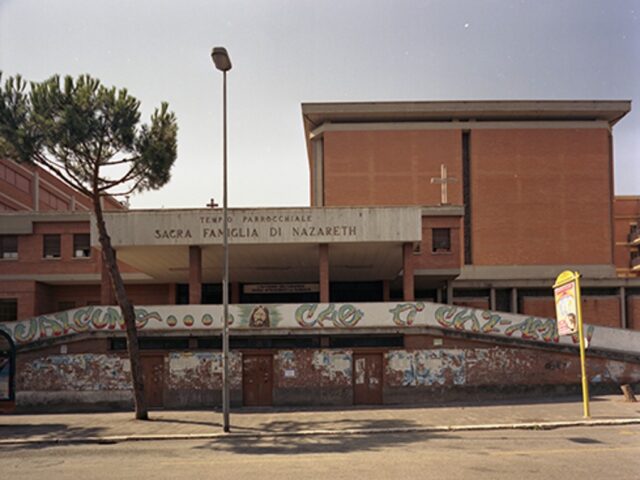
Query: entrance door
[
  {"x": 367, "y": 378},
  {"x": 257, "y": 380},
  {"x": 153, "y": 371}
]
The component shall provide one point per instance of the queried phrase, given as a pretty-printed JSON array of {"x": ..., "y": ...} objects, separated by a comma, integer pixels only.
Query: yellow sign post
[{"x": 569, "y": 318}]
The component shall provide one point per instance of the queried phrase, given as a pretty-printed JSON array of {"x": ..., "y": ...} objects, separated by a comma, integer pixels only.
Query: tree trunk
[{"x": 126, "y": 308}]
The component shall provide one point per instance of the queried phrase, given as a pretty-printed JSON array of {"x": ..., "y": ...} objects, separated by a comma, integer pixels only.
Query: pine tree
[{"x": 89, "y": 136}]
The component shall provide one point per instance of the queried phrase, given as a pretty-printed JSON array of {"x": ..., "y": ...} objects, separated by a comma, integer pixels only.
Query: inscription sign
[
  {"x": 308, "y": 225},
  {"x": 281, "y": 288}
]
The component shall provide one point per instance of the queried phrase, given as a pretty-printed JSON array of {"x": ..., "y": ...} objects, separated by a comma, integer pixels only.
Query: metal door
[
  {"x": 257, "y": 380},
  {"x": 367, "y": 378},
  {"x": 153, "y": 372}
]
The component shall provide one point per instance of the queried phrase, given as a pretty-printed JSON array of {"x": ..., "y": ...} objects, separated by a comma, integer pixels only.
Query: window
[
  {"x": 51, "y": 246},
  {"x": 8, "y": 246},
  {"x": 8, "y": 310},
  {"x": 81, "y": 246},
  {"x": 441, "y": 240}
]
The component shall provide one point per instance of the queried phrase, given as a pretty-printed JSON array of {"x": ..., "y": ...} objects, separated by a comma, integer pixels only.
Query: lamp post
[{"x": 222, "y": 62}]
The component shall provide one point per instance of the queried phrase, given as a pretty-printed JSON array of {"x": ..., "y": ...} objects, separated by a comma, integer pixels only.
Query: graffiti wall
[
  {"x": 311, "y": 377},
  {"x": 202, "y": 370},
  {"x": 314, "y": 316},
  {"x": 498, "y": 366},
  {"x": 79, "y": 372}
]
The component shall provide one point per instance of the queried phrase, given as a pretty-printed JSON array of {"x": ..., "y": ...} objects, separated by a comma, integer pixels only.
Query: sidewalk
[{"x": 201, "y": 424}]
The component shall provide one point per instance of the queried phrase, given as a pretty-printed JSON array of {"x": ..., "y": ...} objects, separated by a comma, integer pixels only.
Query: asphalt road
[{"x": 585, "y": 453}]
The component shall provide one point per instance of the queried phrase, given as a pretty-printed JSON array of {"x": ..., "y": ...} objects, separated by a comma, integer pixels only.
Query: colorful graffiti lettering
[
  {"x": 492, "y": 322},
  {"x": 457, "y": 318},
  {"x": 77, "y": 321},
  {"x": 410, "y": 309},
  {"x": 344, "y": 316},
  {"x": 532, "y": 328},
  {"x": 311, "y": 315}
]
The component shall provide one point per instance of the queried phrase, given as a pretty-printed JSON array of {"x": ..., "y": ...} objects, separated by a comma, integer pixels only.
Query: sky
[{"x": 288, "y": 52}]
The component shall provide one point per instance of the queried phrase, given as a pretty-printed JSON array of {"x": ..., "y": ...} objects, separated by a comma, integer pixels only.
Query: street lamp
[{"x": 222, "y": 62}]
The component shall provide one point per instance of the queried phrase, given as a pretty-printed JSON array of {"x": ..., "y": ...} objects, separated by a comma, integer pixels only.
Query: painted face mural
[{"x": 259, "y": 317}]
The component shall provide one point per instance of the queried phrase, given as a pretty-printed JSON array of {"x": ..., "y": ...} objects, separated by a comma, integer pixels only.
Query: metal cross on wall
[
  {"x": 212, "y": 204},
  {"x": 443, "y": 180}
]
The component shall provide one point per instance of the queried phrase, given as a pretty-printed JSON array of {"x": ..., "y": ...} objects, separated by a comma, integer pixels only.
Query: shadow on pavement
[
  {"x": 329, "y": 443},
  {"x": 46, "y": 432}
]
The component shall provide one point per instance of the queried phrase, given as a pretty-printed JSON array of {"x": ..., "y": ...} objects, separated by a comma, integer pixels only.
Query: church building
[{"x": 420, "y": 272}]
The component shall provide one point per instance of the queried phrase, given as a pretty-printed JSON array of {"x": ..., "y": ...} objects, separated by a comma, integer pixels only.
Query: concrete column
[
  {"x": 449, "y": 292},
  {"x": 492, "y": 299},
  {"x": 107, "y": 295},
  {"x": 623, "y": 308},
  {"x": 195, "y": 275},
  {"x": 408, "y": 282},
  {"x": 235, "y": 292},
  {"x": 514, "y": 300},
  {"x": 439, "y": 295},
  {"x": 323, "y": 260},
  {"x": 386, "y": 291}
]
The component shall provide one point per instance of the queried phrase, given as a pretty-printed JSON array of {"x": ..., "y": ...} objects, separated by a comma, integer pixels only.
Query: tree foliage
[{"x": 87, "y": 134}]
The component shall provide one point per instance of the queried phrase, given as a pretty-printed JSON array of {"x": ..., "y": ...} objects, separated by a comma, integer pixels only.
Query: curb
[{"x": 113, "y": 439}]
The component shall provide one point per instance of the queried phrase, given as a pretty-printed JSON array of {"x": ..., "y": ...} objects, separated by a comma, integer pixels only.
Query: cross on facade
[
  {"x": 212, "y": 204},
  {"x": 443, "y": 180}
]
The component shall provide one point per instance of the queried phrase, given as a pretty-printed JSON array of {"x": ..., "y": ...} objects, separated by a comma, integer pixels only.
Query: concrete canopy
[{"x": 266, "y": 245}]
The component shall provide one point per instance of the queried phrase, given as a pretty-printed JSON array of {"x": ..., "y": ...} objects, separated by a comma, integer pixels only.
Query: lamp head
[{"x": 221, "y": 59}]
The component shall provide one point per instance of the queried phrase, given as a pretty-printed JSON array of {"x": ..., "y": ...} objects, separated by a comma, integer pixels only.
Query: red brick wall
[
  {"x": 449, "y": 260},
  {"x": 390, "y": 167},
  {"x": 479, "y": 303},
  {"x": 544, "y": 307},
  {"x": 80, "y": 295},
  {"x": 30, "y": 253},
  {"x": 538, "y": 193},
  {"x": 24, "y": 293},
  {"x": 633, "y": 312},
  {"x": 16, "y": 183},
  {"x": 160, "y": 294},
  {"x": 49, "y": 185},
  {"x": 626, "y": 213},
  {"x": 600, "y": 310}
]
